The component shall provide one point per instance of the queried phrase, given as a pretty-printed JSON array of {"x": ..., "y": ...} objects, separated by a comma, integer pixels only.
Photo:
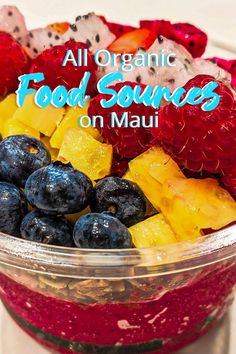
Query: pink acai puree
[{"x": 160, "y": 325}]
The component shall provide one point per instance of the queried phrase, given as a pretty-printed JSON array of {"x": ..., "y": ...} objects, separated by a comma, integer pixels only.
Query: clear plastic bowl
[{"x": 151, "y": 300}]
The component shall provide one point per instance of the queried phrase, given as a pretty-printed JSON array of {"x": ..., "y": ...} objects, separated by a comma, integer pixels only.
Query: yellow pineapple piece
[
  {"x": 128, "y": 175},
  {"x": 150, "y": 170},
  {"x": 15, "y": 127},
  {"x": 190, "y": 205},
  {"x": 74, "y": 217},
  {"x": 154, "y": 231},
  {"x": 7, "y": 108},
  {"x": 53, "y": 152},
  {"x": 44, "y": 120},
  {"x": 86, "y": 154},
  {"x": 70, "y": 120}
]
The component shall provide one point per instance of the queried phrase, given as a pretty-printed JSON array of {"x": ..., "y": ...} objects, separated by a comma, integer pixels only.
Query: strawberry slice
[
  {"x": 59, "y": 27},
  {"x": 130, "y": 42}
]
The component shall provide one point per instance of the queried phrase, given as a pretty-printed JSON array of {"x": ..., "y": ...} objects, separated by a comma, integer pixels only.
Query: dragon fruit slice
[
  {"x": 171, "y": 77},
  {"x": 202, "y": 66},
  {"x": 90, "y": 29},
  {"x": 13, "y": 22},
  {"x": 40, "y": 39},
  {"x": 161, "y": 27},
  {"x": 228, "y": 65},
  {"x": 191, "y": 37},
  {"x": 118, "y": 29}
]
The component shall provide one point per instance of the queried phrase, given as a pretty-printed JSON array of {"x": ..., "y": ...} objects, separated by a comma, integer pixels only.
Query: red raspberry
[
  {"x": 50, "y": 64},
  {"x": 13, "y": 63},
  {"x": 196, "y": 139},
  {"x": 119, "y": 166},
  {"x": 127, "y": 142}
]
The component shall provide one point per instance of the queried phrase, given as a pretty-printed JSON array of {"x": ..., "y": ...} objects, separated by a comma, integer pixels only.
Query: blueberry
[
  {"x": 13, "y": 207},
  {"x": 58, "y": 189},
  {"x": 20, "y": 156},
  {"x": 101, "y": 231},
  {"x": 120, "y": 197},
  {"x": 48, "y": 229}
]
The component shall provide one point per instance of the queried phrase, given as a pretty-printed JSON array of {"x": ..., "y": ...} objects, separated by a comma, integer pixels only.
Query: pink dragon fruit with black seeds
[
  {"x": 118, "y": 29},
  {"x": 191, "y": 37},
  {"x": 161, "y": 27}
]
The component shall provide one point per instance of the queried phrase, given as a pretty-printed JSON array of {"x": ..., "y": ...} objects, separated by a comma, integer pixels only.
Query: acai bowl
[{"x": 116, "y": 240}]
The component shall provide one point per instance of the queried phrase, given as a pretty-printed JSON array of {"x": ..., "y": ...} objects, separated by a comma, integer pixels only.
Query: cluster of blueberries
[{"x": 28, "y": 179}]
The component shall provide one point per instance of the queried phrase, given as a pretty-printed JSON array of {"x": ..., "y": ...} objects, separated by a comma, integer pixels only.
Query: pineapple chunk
[
  {"x": 70, "y": 120},
  {"x": 44, "y": 120},
  {"x": 154, "y": 231},
  {"x": 14, "y": 127},
  {"x": 190, "y": 205},
  {"x": 128, "y": 175},
  {"x": 150, "y": 170},
  {"x": 7, "y": 108},
  {"x": 86, "y": 154},
  {"x": 53, "y": 152}
]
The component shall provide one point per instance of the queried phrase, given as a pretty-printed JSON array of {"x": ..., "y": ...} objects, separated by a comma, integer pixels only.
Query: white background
[{"x": 216, "y": 17}]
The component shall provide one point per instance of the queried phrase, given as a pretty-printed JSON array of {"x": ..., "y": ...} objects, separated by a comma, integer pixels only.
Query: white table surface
[{"x": 217, "y": 18}]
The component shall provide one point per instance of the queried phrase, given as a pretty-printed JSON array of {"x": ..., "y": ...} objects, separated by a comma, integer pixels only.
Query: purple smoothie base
[{"x": 177, "y": 318}]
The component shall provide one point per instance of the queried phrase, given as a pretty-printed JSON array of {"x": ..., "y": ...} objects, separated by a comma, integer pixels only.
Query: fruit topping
[
  {"x": 8, "y": 107},
  {"x": 199, "y": 139},
  {"x": 228, "y": 65},
  {"x": 191, "y": 37},
  {"x": 47, "y": 229},
  {"x": 150, "y": 170},
  {"x": 154, "y": 231},
  {"x": 59, "y": 27},
  {"x": 90, "y": 29},
  {"x": 121, "y": 198},
  {"x": 13, "y": 22},
  {"x": 101, "y": 231},
  {"x": 13, "y": 63},
  {"x": 127, "y": 142},
  {"x": 58, "y": 189},
  {"x": 130, "y": 42},
  {"x": 119, "y": 29},
  {"x": 14, "y": 127},
  {"x": 50, "y": 64},
  {"x": 71, "y": 120},
  {"x": 12, "y": 210},
  {"x": 86, "y": 154},
  {"x": 20, "y": 156},
  {"x": 191, "y": 205},
  {"x": 186, "y": 34},
  {"x": 43, "y": 120}
]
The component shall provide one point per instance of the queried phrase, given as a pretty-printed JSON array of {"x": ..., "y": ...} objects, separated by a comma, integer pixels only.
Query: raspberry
[
  {"x": 196, "y": 139},
  {"x": 13, "y": 63},
  {"x": 50, "y": 63},
  {"x": 127, "y": 142},
  {"x": 119, "y": 166}
]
